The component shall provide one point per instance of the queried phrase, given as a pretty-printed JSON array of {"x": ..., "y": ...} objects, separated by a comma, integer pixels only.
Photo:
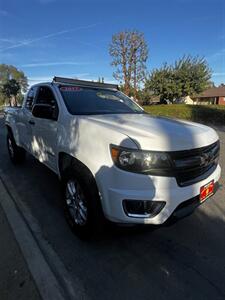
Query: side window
[
  {"x": 46, "y": 96},
  {"x": 30, "y": 98}
]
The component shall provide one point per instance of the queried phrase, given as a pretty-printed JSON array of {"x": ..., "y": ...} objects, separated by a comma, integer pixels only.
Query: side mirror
[{"x": 43, "y": 111}]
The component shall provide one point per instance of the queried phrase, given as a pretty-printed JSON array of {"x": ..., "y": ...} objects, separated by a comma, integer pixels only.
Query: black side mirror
[{"x": 43, "y": 111}]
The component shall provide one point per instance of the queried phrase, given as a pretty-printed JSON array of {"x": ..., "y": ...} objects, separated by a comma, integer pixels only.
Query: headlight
[{"x": 138, "y": 161}]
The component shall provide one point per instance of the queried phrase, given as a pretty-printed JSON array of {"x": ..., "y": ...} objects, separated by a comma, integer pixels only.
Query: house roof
[{"x": 213, "y": 92}]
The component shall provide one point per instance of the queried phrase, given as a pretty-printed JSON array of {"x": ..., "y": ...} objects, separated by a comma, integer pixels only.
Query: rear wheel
[
  {"x": 81, "y": 202},
  {"x": 16, "y": 153}
]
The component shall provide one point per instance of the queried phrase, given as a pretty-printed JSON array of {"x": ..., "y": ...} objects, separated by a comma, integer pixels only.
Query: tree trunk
[
  {"x": 15, "y": 101},
  {"x": 135, "y": 78}
]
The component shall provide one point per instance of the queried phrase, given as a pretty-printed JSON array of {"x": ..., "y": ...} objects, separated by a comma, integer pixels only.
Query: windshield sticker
[{"x": 70, "y": 88}]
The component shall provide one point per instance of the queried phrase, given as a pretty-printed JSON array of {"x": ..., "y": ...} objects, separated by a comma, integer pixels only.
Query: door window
[
  {"x": 30, "y": 98},
  {"x": 46, "y": 96}
]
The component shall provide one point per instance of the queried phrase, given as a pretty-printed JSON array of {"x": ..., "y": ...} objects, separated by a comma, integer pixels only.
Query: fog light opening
[{"x": 142, "y": 208}]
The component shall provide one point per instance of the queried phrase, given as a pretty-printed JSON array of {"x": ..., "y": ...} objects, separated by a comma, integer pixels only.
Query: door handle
[{"x": 31, "y": 122}]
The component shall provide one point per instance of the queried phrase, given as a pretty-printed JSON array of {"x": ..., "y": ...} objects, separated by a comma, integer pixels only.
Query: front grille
[{"x": 191, "y": 166}]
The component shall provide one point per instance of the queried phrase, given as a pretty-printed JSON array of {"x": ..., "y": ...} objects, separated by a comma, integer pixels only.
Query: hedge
[{"x": 208, "y": 114}]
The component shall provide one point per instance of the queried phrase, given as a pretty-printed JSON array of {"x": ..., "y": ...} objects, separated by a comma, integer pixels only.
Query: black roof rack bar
[{"x": 85, "y": 83}]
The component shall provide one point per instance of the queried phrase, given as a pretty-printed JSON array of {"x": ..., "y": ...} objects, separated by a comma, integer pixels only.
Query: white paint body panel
[{"x": 88, "y": 139}]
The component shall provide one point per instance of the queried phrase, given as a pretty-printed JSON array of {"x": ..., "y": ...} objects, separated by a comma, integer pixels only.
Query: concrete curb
[{"x": 48, "y": 285}]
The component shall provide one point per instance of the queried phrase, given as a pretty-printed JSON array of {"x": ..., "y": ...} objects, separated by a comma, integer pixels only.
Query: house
[
  {"x": 214, "y": 95},
  {"x": 184, "y": 100}
]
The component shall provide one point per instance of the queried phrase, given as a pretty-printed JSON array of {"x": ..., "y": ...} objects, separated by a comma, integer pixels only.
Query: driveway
[{"x": 182, "y": 261}]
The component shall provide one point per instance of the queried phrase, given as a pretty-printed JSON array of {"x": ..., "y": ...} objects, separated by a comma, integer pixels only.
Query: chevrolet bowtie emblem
[{"x": 206, "y": 158}]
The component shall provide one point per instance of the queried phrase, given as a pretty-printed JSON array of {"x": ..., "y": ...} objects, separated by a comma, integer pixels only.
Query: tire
[
  {"x": 16, "y": 153},
  {"x": 81, "y": 202}
]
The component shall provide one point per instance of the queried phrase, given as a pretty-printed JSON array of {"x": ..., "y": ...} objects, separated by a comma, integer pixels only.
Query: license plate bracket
[{"x": 206, "y": 191}]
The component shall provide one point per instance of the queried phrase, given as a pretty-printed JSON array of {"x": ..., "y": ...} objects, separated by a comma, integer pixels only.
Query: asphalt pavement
[
  {"x": 183, "y": 261},
  {"x": 16, "y": 281}
]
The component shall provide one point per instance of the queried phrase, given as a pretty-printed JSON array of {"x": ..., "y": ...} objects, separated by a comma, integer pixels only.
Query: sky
[{"x": 70, "y": 38}]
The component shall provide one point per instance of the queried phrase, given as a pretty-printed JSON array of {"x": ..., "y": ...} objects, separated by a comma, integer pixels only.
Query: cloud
[
  {"x": 3, "y": 40},
  {"x": 218, "y": 74},
  {"x": 218, "y": 54},
  {"x": 218, "y": 77},
  {"x": 46, "y": 1},
  {"x": 44, "y": 37},
  {"x": 48, "y": 78},
  {"x": 90, "y": 45},
  {"x": 49, "y": 64},
  {"x": 3, "y": 13}
]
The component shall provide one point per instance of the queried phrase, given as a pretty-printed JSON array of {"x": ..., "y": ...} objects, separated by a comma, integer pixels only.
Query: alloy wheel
[{"x": 76, "y": 203}]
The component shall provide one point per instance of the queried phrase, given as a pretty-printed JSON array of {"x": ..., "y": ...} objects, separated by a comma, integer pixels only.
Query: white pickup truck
[{"x": 114, "y": 160}]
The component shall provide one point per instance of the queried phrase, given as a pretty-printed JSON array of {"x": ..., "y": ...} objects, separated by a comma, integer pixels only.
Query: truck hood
[{"x": 158, "y": 133}]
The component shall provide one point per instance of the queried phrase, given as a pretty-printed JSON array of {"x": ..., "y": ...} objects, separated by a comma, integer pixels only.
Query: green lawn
[{"x": 209, "y": 114}]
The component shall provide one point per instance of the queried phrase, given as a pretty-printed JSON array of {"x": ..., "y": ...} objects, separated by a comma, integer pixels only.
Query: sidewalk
[{"x": 15, "y": 279}]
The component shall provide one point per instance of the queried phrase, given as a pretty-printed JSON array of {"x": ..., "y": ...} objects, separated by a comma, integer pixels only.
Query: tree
[
  {"x": 188, "y": 76},
  {"x": 162, "y": 82},
  {"x": 129, "y": 53},
  {"x": 7, "y": 73},
  {"x": 10, "y": 89},
  {"x": 10, "y": 72}
]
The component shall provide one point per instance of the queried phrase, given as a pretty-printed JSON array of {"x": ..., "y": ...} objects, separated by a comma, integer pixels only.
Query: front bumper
[
  {"x": 187, "y": 207},
  {"x": 125, "y": 185}
]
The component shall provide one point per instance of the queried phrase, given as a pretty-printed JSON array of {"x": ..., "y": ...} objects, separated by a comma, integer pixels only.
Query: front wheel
[
  {"x": 81, "y": 203},
  {"x": 16, "y": 153}
]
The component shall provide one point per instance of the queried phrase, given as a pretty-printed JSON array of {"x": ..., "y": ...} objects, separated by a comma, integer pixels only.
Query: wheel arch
[
  {"x": 13, "y": 131},
  {"x": 97, "y": 216},
  {"x": 66, "y": 160}
]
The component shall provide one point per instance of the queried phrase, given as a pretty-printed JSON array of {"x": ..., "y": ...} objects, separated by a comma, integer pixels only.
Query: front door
[
  {"x": 44, "y": 131},
  {"x": 25, "y": 123}
]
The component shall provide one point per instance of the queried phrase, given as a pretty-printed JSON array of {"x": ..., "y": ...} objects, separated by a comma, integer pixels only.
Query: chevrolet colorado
[{"x": 114, "y": 160}]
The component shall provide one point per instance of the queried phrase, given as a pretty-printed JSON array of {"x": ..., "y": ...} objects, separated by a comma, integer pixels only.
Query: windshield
[{"x": 88, "y": 101}]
